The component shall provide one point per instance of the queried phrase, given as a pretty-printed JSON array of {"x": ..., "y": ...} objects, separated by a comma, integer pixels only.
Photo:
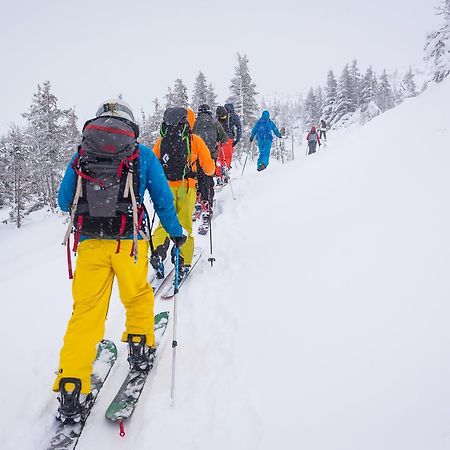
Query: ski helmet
[
  {"x": 115, "y": 108},
  {"x": 221, "y": 112},
  {"x": 204, "y": 109}
]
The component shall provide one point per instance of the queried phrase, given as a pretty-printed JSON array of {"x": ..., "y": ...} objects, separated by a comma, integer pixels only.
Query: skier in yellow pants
[
  {"x": 107, "y": 224},
  {"x": 179, "y": 151}
]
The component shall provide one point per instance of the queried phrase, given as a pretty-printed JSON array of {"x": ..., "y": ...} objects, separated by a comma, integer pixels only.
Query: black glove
[
  {"x": 251, "y": 140},
  {"x": 234, "y": 143},
  {"x": 180, "y": 240}
]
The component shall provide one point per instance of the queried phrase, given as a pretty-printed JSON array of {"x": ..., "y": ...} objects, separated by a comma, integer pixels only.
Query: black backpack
[
  {"x": 175, "y": 150},
  {"x": 106, "y": 204},
  {"x": 205, "y": 127}
]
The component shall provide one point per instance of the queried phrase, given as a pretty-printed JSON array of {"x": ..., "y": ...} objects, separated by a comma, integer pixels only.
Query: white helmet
[{"x": 115, "y": 108}]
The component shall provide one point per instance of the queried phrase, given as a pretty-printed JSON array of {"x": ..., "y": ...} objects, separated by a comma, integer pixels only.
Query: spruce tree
[
  {"x": 355, "y": 77},
  {"x": 200, "y": 94},
  {"x": 46, "y": 136},
  {"x": 178, "y": 96},
  {"x": 385, "y": 95},
  {"x": 311, "y": 111},
  {"x": 345, "y": 98},
  {"x": 437, "y": 45},
  {"x": 211, "y": 97},
  {"x": 369, "y": 88},
  {"x": 329, "y": 106},
  {"x": 410, "y": 88},
  {"x": 243, "y": 93}
]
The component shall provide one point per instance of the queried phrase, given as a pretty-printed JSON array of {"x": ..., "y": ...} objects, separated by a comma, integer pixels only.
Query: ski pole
[
  {"x": 174, "y": 333},
  {"x": 211, "y": 259},
  {"x": 245, "y": 162}
]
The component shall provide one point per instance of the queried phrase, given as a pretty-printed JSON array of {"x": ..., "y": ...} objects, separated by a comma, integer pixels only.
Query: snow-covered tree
[
  {"x": 409, "y": 86},
  {"x": 437, "y": 45},
  {"x": 329, "y": 106},
  {"x": 318, "y": 92},
  {"x": 200, "y": 94},
  {"x": 46, "y": 137},
  {"x": 369, "y": 88},
  {"x": 19, "y": 170},
  {"x": 311, "y": 110},
  {"x": 243, "y": 93},
  {"x": 211, "y": 97},
  {"x": 385, "y": 95},
  {"x": 345, "y": 98},
  {"x": 355, "y": 78},
  {"x": 178, "y": 96}
]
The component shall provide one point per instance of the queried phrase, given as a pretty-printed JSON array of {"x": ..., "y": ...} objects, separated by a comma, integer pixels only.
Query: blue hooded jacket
[
  {"x": 264, "y": 128},
  {"x": 152, "y": 178}
]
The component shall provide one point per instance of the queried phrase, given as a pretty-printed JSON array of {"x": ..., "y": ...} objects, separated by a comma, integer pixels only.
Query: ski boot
[
  {"x": 197, "y": 210},
  {"x": 158, "y": 264},
  {"x": 261, "y": 167},
  {"x": 140, "y": 355},
  {"x": 73, "y": 405}
]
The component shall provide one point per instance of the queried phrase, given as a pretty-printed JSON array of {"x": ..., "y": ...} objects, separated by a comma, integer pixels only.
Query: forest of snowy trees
[{"x": 33, "y": 158}]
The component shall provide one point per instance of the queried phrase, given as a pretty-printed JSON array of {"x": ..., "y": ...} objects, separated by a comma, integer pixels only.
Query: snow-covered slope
[{"x": 323, "y": 324}]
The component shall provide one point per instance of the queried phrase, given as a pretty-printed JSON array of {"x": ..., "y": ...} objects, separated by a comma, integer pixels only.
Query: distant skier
[
  {"x": 313, "y": 139},
  {"x": 263, "y": 130},
  {"x": 231, "y": 123},
  {"x": 323, "y": 129},
  {"x": 108, "y": 217},
  {"x": 212, "y": 133}
]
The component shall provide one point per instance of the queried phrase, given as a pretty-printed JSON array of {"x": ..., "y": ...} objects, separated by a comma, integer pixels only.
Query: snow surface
[{"x": 324, "y": 323}]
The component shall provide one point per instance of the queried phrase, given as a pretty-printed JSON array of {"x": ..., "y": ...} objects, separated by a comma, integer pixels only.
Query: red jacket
[{"x": 309, "y": 134}]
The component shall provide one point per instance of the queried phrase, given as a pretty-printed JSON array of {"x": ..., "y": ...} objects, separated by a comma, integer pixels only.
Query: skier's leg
[
  {"x": 267, "y": 146},
  {"x": 135, "y": 292},
  {"x": 261, "y": 153},
  {"x": 228, "y": 152},
  {"x": 185, "y": 202},
  {"x": 91, "y": 290}
]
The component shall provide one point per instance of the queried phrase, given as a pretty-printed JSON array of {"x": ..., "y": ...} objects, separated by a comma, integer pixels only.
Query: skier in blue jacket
[{"x": 263, "y": 130}]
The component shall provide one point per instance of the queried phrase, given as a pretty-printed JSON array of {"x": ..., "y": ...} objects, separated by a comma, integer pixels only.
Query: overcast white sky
[{"x": 92, "y": 50}]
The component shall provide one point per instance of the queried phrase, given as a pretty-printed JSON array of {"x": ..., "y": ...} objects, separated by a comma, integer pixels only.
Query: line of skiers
[{"x": 103, "y": 190}]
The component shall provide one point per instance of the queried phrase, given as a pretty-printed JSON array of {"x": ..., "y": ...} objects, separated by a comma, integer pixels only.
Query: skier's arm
[
  {"x": 275, "y": 130},
  {"x": 160, "y": 193},
  {"x": 318, "y": 140},
  {"x": 67, "y": 187},
  {"x": 222, "y": 137},
  {"x": 238, "y": 126},
  {"x": 203, "y": 155},
  {"x": 252, "y": 136}
]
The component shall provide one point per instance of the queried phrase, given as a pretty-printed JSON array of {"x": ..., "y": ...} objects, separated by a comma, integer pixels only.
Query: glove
[
  {"x": 180, "y": 240},
  {"x": 251, "y": 140},
  {"x": 234, "y": 143}
]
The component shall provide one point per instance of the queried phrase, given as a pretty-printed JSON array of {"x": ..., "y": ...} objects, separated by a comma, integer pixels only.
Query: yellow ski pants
[
  {"x": 184, "y": 202},
  {"x": 97, "y": 264}
]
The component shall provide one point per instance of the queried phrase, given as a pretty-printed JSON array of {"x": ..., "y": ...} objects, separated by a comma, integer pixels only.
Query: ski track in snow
[{"x": 322, "y": 325}]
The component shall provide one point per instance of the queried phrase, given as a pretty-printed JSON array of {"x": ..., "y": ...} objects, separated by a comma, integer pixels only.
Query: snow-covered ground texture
[{"x": 324, "y": 323}]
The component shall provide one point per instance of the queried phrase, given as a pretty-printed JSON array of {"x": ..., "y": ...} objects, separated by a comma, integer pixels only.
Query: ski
[
  {"x": 125, "y": 401},
  {"x": 158, "y": 283},
  {"x": 170, "y": 292},
  {"x": 203, "y": 228},
  {"x": 67, "y": 435}
]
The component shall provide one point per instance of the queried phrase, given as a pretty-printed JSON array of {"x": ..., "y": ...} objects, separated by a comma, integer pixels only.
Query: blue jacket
[
  {"x": 264, "y": 128},
  {"x": 234, "y": 127},
  {"x": 152, "y": 178}
]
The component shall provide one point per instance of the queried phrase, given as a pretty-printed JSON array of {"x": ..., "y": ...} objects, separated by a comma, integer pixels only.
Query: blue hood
[{"x": 265, "y": 115}]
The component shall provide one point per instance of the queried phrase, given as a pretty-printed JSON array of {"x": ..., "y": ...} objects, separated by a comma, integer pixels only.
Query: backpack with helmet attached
[
  {"x": 175, "y": 154},
  {"x": 106, "y": 204},
  {"x": 312, "y": 136},
  {"x": 205, "y": 127}
]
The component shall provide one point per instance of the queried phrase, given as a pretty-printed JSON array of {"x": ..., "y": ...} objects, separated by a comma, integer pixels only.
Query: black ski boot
[
  {"x": 73, "y": 405},
  {"x": 261, "y": 167},
  {"x": 140, "y": 355},
  {"x": 158, "y": 264}
]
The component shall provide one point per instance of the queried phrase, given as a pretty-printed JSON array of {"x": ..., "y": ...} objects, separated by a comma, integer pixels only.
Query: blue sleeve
[
  {"x": 275, "y": 130},
  {"x": 154, "y": 180},
  {"x": 67, "y": 187}
]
